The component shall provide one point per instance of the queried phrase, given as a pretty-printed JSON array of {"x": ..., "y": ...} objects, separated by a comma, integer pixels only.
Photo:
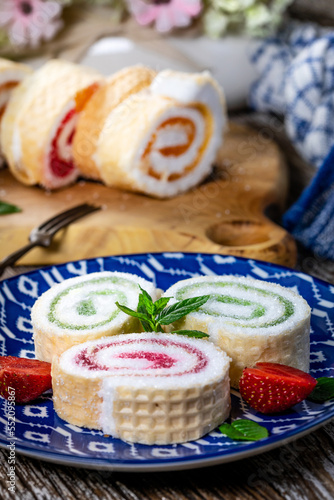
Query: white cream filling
[
  {"x": 16, "y": 146},
  {"x": 175, "y": 164},
  {"x": 171, "y": 136}
]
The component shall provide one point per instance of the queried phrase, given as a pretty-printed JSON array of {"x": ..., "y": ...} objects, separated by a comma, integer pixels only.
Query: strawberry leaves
[{"x": 153, "y": 315}]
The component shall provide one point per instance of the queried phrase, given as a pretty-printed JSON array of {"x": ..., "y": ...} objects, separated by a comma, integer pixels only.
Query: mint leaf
[
  {"x": 142, "y": 317},
  {"x": 323, "y": 391},
  {"x": 7, "y": 208},
  {"x": 179, "y": 309},
  {"x": 160, "y": 304},
  {"x": 191, "y": 333},
  {"x": 142, "y": 309},
  {"x": 244, "y": 430},
  {"x": 145, "y": 303}
]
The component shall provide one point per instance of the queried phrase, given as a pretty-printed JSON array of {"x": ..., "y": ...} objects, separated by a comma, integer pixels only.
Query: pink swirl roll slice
[
  {"x": 40, "y": 121},
  {"x": 143, "y": 387}
]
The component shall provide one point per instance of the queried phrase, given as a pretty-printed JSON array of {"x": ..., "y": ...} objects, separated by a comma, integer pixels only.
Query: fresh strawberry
[
  {"x": 23, "y": 379},
  {"x": 271, "y": 387}
]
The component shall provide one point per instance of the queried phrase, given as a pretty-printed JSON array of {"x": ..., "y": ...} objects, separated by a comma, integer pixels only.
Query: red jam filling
[
  {"x": 58, "y": 166},
  {"x": 157, "y": 360}
]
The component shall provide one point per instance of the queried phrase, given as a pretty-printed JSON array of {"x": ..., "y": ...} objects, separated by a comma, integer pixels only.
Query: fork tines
[{"x": 66, "y": 217}]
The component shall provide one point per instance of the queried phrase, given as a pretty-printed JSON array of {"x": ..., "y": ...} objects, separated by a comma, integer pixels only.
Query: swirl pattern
[
  {"x": 164, "y": 139},
  {"x": 251, "y": 320},
  {"x": 84, "y": 308},
  {"x": 148, "y": 387}
]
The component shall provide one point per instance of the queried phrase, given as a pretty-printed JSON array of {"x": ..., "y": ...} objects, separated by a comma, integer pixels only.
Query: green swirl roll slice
[
  {"x": 84, "y": 308},
  {"x": 251, "y": 320}
]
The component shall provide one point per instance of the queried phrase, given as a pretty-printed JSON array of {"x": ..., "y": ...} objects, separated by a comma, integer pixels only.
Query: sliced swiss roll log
[
  {"x": 40, "y": 121},
  {"x": 163, "y": 140},
  {"x": 251, "y": 320},
  {"x": 148, "y": 388},
  {"x": 84, "y": 308},
  {"x": 11, "y": 74},
  {"x": 116, "y": 89}
]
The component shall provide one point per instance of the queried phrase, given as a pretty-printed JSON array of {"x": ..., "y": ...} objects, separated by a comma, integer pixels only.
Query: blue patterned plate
[{"x": 40, "y": 433}]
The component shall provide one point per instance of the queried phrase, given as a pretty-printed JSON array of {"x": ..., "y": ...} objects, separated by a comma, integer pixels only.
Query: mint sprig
[
  {"x": 153, "y": 315},
  {"x": 244, "y": 430},
  {"x": 323, "y": 391},
  {"x": 179, "y": 309},
  {"x": 8, "y": 208}
]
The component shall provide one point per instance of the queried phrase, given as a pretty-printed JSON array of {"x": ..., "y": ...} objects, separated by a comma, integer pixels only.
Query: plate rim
[{"x": 181, "y": 463}]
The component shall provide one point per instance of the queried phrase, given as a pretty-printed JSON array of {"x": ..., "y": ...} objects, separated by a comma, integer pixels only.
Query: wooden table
[{"x": 303, "y": 469}]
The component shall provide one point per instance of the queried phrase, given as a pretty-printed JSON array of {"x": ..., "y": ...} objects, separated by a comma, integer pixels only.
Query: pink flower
[
  {"x": 28, "y": 22},
  {"x": 165, "y": 13}
]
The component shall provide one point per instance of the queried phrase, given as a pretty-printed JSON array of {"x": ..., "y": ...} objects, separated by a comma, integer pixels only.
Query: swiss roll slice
[
  {"x": 84, "y": 308},
  {"x": 251, "y": 320},
  {"x": 40, "y": 121},
  {"x": 163, "y": 140},
  {"x": 148, "y": 388},
  {"x": 115, "y": 90}
]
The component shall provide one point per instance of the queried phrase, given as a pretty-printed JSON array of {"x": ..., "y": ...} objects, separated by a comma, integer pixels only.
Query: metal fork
[{"x": 42, "y": 235}]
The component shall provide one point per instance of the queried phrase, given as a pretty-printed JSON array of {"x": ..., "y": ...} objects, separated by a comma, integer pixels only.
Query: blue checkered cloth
[
  {"x": 311, "y": 218},
  {"x": 296, "y": 70}
]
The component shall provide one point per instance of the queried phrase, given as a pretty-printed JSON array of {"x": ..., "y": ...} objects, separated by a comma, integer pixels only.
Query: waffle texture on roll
[
  {"x": 163, "y": 140},
  {"x": 40, "y": 121},
  {"x": 84, "y": 308},
  {"x": 148, "y": 388},
  {"x": 251, "y": 320},
  {"x": 116, "y": 89}
]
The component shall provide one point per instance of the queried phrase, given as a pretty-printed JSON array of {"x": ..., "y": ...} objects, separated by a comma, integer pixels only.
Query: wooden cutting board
[{"x": 224, "y": 215}]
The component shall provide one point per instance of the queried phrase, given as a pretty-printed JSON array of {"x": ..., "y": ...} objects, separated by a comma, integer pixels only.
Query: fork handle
[{"x": 13, "y": 257}]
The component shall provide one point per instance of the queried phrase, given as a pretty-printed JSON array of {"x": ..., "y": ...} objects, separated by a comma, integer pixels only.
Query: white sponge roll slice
[
  {"x": 251, "y": 320},
  {"x": 161, "y": 141},
  {"x": 84, "y": 308},
  {"x": 40, "y": 121},
  {"x": 151, "y": 388}
]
